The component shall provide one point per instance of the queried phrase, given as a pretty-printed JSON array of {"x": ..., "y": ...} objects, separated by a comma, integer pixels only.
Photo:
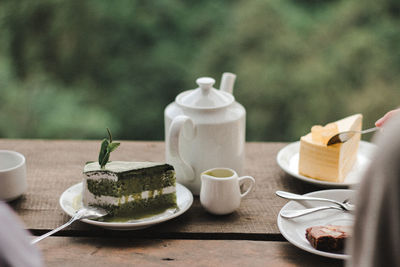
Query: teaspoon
[{"x": 345, "y": 136}]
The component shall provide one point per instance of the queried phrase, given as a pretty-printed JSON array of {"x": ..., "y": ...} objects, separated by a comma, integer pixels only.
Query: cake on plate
[
  {"x": 329, "y": 163},
  {"x": 128, "y": 190},
  {"x": 125, "y": 189},
  {"x": 330, "y": 238}
]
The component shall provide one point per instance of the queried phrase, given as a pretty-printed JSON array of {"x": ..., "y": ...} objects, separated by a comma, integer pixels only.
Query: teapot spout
[{"x": 227, "y": 82}]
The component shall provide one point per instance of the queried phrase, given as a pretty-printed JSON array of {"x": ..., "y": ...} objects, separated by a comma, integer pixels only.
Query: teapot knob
[{"x": 205, "y": 84}]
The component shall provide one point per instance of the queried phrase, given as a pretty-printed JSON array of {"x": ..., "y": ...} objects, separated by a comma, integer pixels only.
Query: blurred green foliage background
[{"x": 69, "y": 68}]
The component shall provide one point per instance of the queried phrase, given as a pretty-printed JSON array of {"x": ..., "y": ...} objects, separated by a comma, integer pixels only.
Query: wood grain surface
[
  {"x": 248, "y": 237},
  {"x": 67, "y": 251}
]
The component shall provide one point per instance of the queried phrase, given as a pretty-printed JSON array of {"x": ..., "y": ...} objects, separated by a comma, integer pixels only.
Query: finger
[{"x": 386, "y": 117}]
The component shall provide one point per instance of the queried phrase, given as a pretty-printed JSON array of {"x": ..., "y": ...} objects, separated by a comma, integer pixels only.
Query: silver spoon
[
  {"x": 344, "y": 205},
  {"x": 83, "y": 213},
  {"x": 345, "y": 136}
]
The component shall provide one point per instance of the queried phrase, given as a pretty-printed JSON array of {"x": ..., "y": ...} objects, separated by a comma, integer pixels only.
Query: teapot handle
[{"x": 178, "y": 124}]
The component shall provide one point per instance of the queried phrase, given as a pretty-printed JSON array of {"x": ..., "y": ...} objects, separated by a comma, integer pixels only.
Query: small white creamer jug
[
  {"x": 204, "y": 129},
  {"x": 220, "y": 190}
]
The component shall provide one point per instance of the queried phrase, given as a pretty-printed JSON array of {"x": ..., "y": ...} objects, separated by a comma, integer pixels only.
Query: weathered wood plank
[
  {"x": 67, "y": 251},
  {"x": 55, "y": 165}
]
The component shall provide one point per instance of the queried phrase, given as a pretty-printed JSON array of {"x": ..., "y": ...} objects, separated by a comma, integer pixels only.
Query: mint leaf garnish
[
  {"x": 103, "y": 150},
  {"x": 107, "y": 146},
  {"x": 113, "y": 146}
]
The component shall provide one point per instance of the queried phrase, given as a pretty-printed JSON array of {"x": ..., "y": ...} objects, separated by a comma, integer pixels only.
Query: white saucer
[
  {"x": 294, "y": 230},
  {"x": 288, "y": 160},
  {"x": 70, "y": 202}
]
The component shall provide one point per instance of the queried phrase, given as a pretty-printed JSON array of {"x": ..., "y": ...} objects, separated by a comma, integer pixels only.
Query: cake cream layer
[
  {"x": 90, "y": 198},
  {"x": 330, "y": 163},
  {"x": 121, "y": 169},
  {"x": 123, "y": 166}
]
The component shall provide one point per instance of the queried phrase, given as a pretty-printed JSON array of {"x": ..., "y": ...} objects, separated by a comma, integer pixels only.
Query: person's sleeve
[
  {"x": 15, "y": 247},
  {"x": 376, "y": 232}
]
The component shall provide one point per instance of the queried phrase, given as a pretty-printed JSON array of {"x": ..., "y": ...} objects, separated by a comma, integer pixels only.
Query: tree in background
[
  {"x": 302, "y": 63},
  {"x": 69, "y": 69}
]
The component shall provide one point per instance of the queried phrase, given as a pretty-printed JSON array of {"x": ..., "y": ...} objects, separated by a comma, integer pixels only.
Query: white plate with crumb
[
  {"x": 71, "y": 201},
  {"x": 294, "y": 230},
  {"x": 288, "y": 160}
]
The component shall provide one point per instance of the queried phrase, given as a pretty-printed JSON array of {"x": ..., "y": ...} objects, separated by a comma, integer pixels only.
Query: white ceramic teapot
[{"x": 204, "y": 129}]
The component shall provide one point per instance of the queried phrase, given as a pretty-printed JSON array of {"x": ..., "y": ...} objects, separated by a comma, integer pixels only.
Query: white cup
[
  {"x": 12, "y": 175},
  {"x": 220, "y": 190}
]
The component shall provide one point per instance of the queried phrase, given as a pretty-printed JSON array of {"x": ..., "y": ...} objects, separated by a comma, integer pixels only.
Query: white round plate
[
  {"x": 70, "y": 202},
  {"x": 294, "y": 230},
  {"x": 288, "y": 160}
]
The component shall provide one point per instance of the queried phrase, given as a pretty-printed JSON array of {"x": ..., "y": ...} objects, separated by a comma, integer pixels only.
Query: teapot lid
[{"x": 205, "y": 96}]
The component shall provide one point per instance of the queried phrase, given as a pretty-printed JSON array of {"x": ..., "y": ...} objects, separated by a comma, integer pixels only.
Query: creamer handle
[
  {"x": 242, "y": 181},
  {"x": 178, "y": 124}
]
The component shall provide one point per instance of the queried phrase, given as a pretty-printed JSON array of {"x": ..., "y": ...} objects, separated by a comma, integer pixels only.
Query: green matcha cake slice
[{"x": 129, "y": 189}]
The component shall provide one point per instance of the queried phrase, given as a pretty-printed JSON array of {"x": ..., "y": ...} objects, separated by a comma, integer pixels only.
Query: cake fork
[
  {"x": 83, "y": 213},
  {"x": 345, "y": 136},
  {"x": 345, "y": 205},
  {"x": 289, "y": 214}
]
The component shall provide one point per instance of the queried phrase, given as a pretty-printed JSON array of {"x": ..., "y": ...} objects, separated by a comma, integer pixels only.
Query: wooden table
[{"x": 248, "y": 237}]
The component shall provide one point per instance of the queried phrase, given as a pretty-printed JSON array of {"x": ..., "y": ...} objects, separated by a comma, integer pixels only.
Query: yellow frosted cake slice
[{"x": 329, "y": 163}]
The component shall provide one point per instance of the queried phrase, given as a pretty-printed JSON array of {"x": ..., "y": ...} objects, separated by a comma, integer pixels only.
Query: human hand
[{"x": 387, "y": 116}]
